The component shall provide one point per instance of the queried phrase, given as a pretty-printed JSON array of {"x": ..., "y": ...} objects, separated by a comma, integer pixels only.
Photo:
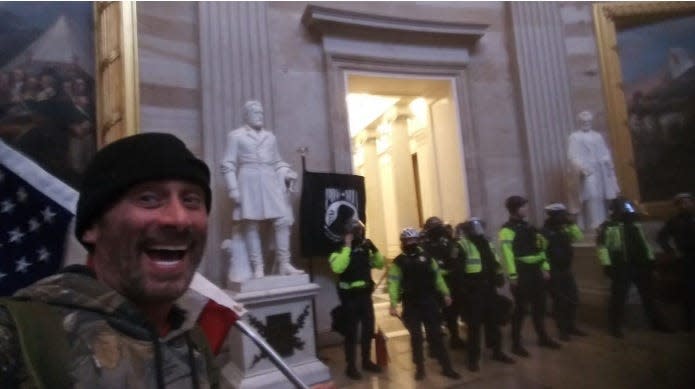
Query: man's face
[
  {"x": 409, "y": 244},
  {"x": 254, "y": 116},
  {"x": 523, "y": 211},
  {"x": 585, "y": 118},
  {"x": 149, "y": 244}
]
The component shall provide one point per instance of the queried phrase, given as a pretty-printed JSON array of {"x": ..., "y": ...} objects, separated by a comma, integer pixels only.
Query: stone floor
[{"x": 643, "y": 359}]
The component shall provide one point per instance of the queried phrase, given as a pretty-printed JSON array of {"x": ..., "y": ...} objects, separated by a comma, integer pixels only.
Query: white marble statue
[
  {"x": 259, "y": 182},
  {"x": 592, "y": 178}
]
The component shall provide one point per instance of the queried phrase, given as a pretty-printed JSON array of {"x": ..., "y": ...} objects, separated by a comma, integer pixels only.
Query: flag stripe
[{"x": 37, "y": 177}]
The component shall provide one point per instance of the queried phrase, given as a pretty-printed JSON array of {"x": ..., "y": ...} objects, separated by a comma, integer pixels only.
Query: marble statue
[
  {"x": 592, "y": 180},
  {"x": 259, "y": 183}
]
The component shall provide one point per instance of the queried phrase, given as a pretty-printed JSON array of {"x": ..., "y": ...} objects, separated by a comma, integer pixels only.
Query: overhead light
[
  {"x": 420, "y": 110},
  {"x": 364, "y": 108}
]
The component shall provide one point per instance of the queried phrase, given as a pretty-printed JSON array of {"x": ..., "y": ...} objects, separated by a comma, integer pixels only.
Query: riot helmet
[
  {"x": 623, "y": 209},
  {"x": 434, "y": 228},
  {"x": 557, "y": 213},
  {"x": 410, "y": 237},
  {"x": 684, "y": 201},
  {"x": 474, "y": 227}
]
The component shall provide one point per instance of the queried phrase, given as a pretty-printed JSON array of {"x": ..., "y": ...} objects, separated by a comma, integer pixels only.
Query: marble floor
[{"x": 643, "y": 359}]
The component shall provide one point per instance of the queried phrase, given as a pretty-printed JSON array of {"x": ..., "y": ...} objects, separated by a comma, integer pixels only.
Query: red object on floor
[
  {"x": 215, "y": 320},
  {"x": 382, "y": 353}
]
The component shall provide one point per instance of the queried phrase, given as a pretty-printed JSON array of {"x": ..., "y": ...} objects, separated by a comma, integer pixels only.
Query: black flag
[{"x": 328, "y": 201}]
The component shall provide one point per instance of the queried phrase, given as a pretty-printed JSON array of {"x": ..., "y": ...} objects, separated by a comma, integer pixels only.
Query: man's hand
[
  {"x": 393, "y": 311},
  {"x": 546, "y": 275},
  {"x": 368, "y": 244},
  {"x": 348, "y": 239},
  {"x": 447, "y": 301},
  {"x": 235, "y": 196},
  {"x": 587, "y": 172},
  {"x": 291, "y": 181}
]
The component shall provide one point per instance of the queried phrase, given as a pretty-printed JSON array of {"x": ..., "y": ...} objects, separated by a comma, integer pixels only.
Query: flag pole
[
  {"x": 303, "y": 151},
  {"x": 274, "y": 357},
  {"x": 205, "y": 287}
]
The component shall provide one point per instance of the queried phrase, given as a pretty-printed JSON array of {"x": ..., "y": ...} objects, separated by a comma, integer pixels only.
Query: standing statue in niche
[
  {"x": 592, "y": 179},
  {"x": 259, "y": 182}
]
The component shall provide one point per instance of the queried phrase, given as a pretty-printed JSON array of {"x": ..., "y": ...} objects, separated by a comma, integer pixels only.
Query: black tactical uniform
[{"x": 441, "y": 247}]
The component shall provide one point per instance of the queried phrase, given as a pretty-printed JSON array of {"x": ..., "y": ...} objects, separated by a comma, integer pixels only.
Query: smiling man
[{"x": 142, "y": 215}]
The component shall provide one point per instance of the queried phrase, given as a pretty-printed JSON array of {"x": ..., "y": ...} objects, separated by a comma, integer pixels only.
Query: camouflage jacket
[{"x": 110, "y": 345}]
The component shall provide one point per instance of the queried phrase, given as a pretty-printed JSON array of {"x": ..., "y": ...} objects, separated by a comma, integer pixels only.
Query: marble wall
[
  {"x": 583, "y": 61},
  {"x": 192, "y": 55},
  {"x": 169, "y": 66}
]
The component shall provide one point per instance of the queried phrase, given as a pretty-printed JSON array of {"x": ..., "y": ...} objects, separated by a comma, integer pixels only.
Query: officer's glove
[
  {"x": 369, "y": 245},
  {"x": 608, "y": 271}
]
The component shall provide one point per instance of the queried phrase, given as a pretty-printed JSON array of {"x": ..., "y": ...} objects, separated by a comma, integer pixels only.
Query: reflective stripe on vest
[
  {"x": 352, "y": 285},
  {"x": 473, "y": 262}
]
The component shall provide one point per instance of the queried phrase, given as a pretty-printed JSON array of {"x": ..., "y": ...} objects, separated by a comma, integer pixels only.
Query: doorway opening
[{"x": 406, "y": 141}]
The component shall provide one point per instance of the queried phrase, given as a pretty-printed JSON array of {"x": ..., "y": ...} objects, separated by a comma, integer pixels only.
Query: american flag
[{"x": 35, "y": 212}]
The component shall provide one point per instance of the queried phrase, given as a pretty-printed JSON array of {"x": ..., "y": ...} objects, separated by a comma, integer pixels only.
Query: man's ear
[{"x": 90, "y": 235}]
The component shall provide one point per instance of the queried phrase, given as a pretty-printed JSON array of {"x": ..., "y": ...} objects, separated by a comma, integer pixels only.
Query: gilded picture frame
[{"x": 610, "y": 21}]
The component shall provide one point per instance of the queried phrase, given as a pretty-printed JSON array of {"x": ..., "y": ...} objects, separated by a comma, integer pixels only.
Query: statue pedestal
[{"x": 280, "y": 310}]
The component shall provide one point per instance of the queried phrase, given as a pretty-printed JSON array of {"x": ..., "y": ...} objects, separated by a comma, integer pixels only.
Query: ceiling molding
[{"x": 324, "y": 21}]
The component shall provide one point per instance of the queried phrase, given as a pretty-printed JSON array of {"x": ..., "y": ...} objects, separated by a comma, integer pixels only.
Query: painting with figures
[
  {"x": 658, "y": 69},
  {"x": 47, "y": 88}
]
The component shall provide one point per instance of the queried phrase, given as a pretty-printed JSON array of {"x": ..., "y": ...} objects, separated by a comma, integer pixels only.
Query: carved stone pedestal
[{"x": 279, "y": 308}]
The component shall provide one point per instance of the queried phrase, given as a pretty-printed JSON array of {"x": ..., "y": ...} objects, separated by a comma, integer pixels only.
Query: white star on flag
[
  {"x": 43, "y": 254},
  {"x": 48, "y": 214},
  {"x": 16, "y": 235},
  {"x": 22, "y": 265},
  {"x": 34, "y": 225},
  {"x": 7, "y": 206},
  {"x": 22, "y": 195},
  {"x": 33, "y": 231}
]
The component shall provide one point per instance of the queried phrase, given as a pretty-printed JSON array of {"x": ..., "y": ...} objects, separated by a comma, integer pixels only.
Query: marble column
[
  {"x": 544, "y": 95},
  {"x": 372, "y": 182},
  {"x": 403, "y": 179},
  {"x": 235, "y": 67}
]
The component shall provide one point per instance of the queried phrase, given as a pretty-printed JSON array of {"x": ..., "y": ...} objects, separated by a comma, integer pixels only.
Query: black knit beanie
[{"x": 130, "y": 161}]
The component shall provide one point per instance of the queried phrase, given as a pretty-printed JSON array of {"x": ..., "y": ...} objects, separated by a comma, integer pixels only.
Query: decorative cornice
[
  {"x": 328, "y": 21},
  {"x": 626, "y": 14}
]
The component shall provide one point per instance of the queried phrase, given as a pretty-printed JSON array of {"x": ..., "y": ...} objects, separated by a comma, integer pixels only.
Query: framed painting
[
  {"x": 68, "y": 80},
  {"x": 647, "y": 57}
]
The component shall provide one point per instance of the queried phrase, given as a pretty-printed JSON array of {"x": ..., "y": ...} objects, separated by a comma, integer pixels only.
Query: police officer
[
  {"x": 438, "y": 242},
  {"x": 528, "y": 272},
  {"x": 560, "y": 232},
  {"x": 415, "y": 278},
  {"x": 353, "y": 263},
  {"x": 627, "y": 258},
  {"x": 681, "y": 229},
  {"x": 483, "y": 274}
]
